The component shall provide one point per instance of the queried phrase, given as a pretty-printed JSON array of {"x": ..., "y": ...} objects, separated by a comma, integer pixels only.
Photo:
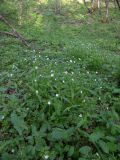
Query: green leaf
[
  {"x": 103, "y": 146},
  {"x": 61, "y": 134},
  {"x": 18, "y": 123},
  {"x": 71, "y": 151},
  {"x": 94, "y": 137},
  {"x": 85, "y": 150}
]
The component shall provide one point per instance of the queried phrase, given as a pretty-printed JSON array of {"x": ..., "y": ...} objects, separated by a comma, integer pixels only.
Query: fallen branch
[
  {"x": 14, "y": 32},
  {"x": 8, "y": 34}
]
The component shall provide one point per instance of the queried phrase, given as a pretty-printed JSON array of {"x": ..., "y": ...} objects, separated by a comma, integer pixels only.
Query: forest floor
[{"x": 61, "y": 99}]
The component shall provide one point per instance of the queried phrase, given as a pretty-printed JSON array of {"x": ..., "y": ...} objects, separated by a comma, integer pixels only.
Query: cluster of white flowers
[{"x": 35, "y": 80}]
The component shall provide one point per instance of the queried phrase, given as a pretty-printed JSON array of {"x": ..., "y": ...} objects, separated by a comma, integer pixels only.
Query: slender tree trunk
[
  {"x": 107, "y": 9},
  {"x": 58, "y": 6}
]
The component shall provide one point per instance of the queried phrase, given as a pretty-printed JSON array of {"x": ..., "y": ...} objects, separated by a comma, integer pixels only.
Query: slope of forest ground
[{"x": 61, "y": 99}]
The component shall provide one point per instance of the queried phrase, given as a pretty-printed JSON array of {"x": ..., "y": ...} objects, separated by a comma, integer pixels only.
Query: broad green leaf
[
  {"x": 104, "y": 146},
  {"x": 85, "y": 150},
  {"x": 18, "y": 123},
  {"x": 60, "y": 134},
  {"x": 71, "y": 151},
  {"x": 94, "y": 137},
  {"x": 112, "y": 146}
]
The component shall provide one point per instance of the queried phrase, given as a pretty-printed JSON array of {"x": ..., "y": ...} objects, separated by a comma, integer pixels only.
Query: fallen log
[{"x": 14, "y": 32}]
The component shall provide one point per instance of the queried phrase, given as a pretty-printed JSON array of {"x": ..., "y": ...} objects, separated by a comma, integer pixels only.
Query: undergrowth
[{"x": 61, "y": 100}]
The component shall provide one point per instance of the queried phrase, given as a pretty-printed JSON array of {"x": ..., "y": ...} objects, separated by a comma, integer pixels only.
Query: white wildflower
[
  {"x": 52, "y": 75},
  {"x": 57, "y": 95},
  {"x": 11, "y": 75},
  {"x": 95, "y": 80},
  {"x": 46, "y": 156},
  {"x": 74, "y": 61},
  {"x": 70, "y": 61},
  {"x": 96, "y": 72},
  {"x": 36, "y": 91},
  {"x": 63, "y": 81},
  {"x": 87, "y": 72},
  {"x": 35, "y": 80},
  {"x": 72, "y": 72},
  {"x": 12, "y": 150},
  {"x": 49, "y": 103},
  {"x": 36, "y": 67},
  {"x": 84, "y": 100},
  {"x": 97, "y": 154},
  {"x": 66, "y": 72},
  {"x": 47, "y": 58},
  {"x": 81, "y": 92},
  {"x": 2, "y": 117},
  {"x": 99, "y": 98},
  {"x": 80, "y": 115},
  {"x": 72, "y": 79}
]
